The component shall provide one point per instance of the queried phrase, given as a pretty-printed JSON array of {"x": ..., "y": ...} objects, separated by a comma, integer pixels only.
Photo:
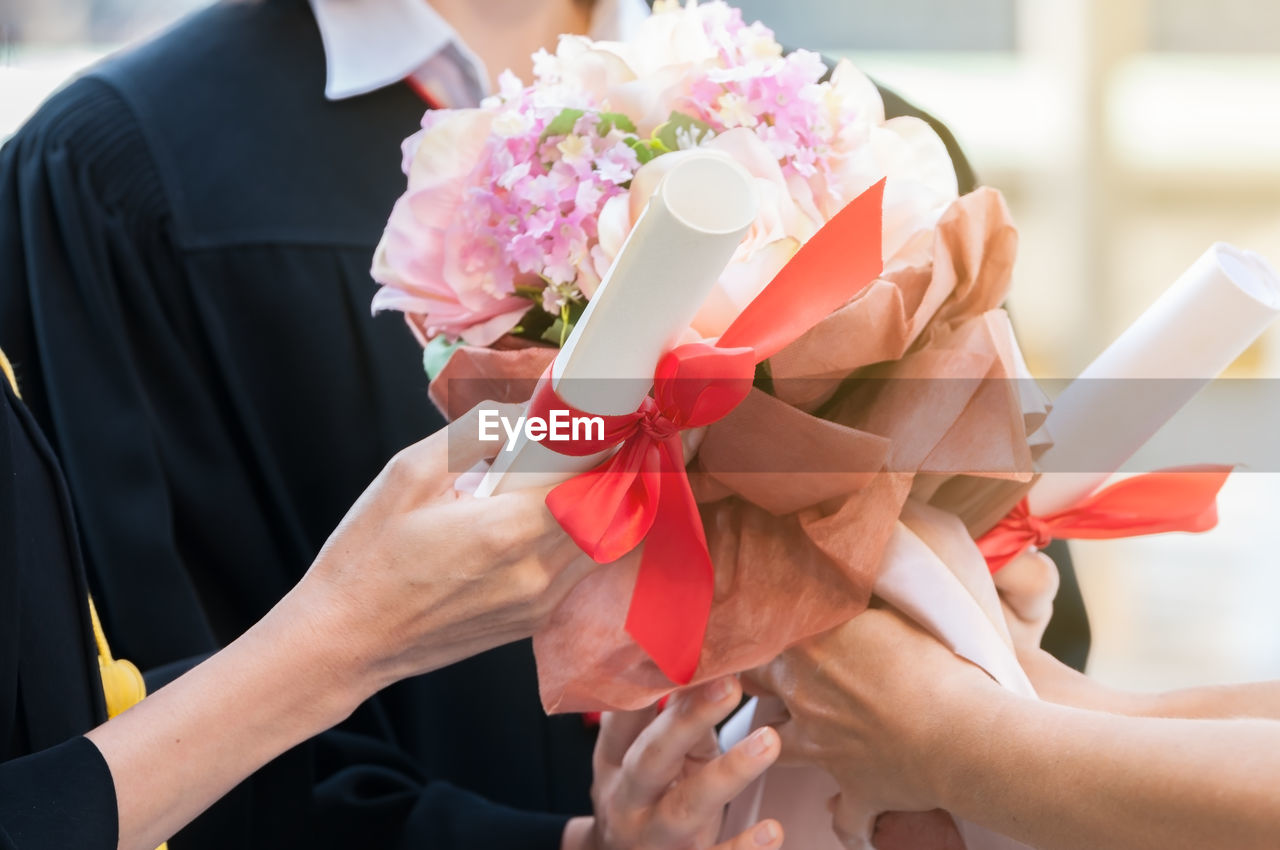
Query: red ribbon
[
  {"x": 1181, "y": 499},
  {"x": 611, "y": 509}
]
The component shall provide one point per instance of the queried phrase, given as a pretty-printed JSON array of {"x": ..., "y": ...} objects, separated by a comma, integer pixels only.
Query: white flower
[
  {"x": 735, "y": 111},
  {"x": 510, "y": 123},
  {"x": 574, "y": 148}
]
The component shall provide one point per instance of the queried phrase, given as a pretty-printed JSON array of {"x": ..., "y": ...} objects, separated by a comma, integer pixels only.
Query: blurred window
[
  {"x": 1227, "y": 26},
  {"x": 80, "y": 22},
  {"x": 900, "y": 25}
]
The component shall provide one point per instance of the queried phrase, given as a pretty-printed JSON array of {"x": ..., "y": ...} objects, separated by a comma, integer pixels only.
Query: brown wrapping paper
[{"x": 905, "y": 387}]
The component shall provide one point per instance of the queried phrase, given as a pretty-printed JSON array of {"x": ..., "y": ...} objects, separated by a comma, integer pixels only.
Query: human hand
[
  {"x": 1027, "y": 586},
  {"x": 661, "y": 782},
  {"x": 418, "y": 575},
  {"x": 868, "y": 701}
]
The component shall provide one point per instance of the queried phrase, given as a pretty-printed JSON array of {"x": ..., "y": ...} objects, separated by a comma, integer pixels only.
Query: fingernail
[
  {"x": 719, "y": 690},
  {"x": 766, "y": 833},
  {"x": 758, "y": 743}
]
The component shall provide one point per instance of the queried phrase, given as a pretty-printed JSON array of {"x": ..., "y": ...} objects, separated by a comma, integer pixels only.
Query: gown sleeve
[
  {"x": 58, "y": 798},
  {"x": 82, "y": 220}
]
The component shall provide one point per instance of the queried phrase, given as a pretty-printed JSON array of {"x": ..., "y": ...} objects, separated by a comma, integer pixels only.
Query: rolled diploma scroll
[
  {"x": 676, "y": 251},
  {"x": 1189, "y": 335}
]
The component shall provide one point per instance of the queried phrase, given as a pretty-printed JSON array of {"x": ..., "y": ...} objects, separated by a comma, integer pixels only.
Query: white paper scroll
[
  {"x": 1188, "y": 336},
  {"x": 676, "y": 251}
]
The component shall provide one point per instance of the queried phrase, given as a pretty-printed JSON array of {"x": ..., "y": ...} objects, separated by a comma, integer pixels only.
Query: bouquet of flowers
[{"x": 515, "y": 211}]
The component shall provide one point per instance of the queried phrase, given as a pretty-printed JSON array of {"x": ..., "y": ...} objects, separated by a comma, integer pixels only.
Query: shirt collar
[{"x": 371, "y": 44}]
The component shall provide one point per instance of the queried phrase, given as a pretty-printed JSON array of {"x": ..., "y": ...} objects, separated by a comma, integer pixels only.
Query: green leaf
[
  {"x": 437, "y": 354},
  {"x": 609, "y": 120},
  {"x": 564, "y": 323},
  {"x": 562, "y": 124},
  {"x": 557, "y": 332},
  {"x": 679, "y": 124},
  {"x": 644, "y": 152}
]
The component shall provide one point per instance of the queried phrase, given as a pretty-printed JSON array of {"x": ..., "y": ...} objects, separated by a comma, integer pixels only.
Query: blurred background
[{"x": 1127, "y": 135}]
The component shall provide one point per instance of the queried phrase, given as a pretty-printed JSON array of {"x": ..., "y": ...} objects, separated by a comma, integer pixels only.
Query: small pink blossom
[{"x": 523, "y": 203}]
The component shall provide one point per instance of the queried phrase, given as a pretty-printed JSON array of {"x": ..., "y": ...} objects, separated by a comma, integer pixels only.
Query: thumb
[
  {"x": 479, "y": 434},
  {"x": 432, "y": 466},
  {"x": 1028, "y": 585}
]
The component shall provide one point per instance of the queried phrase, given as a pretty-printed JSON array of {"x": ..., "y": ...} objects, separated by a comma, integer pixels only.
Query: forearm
[
  {"x": 1060, "y": 778},
  {"x": 1259, "y": 700},
  {"x": 1059, "y": 684},
  {"x": 191, "y": 742}
]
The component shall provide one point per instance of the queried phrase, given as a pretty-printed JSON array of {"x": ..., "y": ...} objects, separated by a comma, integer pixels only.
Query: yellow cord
[{"x": 7, "y": 368}]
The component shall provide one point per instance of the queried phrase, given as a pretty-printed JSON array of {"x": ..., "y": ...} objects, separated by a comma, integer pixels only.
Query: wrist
[
  {"x": 579, "y": 834},
  {"x": 323, "y": 655},
  {"x": 967, "y": 718},
  {"x": 1057, "y": 683}
]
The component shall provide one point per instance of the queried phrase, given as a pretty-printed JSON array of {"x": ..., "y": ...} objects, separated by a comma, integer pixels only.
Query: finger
[
  {"x": 700, "y": 799},
  {"x": 619, "y": 730},
  {"x": 794, "y": 747},
  {"x": 853, "y": 822},
  {"x": 1028, "y": 585},
  {"x": 773, "y": 679},
  {"x": 1031, "y": 575},
  {"x": 478, "y": 434},
  {"x": 765, "y": 835},
  {"x": 434, "y": 463},
  {"x": 655, "y": 759},
  {"x": 757, "y": 682}
]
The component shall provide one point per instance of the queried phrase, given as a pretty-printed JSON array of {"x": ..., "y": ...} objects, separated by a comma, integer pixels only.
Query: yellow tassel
[{"x": 122, "y": 682}]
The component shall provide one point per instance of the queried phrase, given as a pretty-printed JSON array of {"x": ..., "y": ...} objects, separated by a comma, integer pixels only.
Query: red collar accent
[{"x": 421, "y": 91}]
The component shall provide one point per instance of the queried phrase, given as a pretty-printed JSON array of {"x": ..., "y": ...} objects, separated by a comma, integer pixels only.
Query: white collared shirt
[{"x": 370, "y": 44}]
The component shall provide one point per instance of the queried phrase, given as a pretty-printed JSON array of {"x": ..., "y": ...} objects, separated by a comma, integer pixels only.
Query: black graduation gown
[
  {"x": 55, "y": 789},
  {"x": 185, "y": 236}
]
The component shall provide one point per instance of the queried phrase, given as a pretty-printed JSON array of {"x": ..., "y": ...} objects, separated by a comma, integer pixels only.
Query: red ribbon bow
[
  {"x": 609, "y": 510},
  {"x": 1181, "y": 499}
]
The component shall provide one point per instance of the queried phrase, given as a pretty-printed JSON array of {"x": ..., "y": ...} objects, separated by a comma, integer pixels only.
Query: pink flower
[{"x": 417, "y": 263}]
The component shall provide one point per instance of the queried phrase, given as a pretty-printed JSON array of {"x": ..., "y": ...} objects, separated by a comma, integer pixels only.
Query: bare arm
[
  {"x": 175, "y": 753},
  {"x": 905, "y": 725},
  {"x": 1058, "y": 777},
  {"x": 1027, "y": 587},
  {"x": 1055, "y": 682},
  {"x": 414, "y": 578}
]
